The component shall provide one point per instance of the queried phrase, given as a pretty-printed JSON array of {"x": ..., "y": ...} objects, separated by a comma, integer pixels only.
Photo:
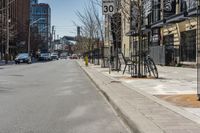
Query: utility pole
[
  {"x": 109, "y": 43},
  {"x": 8, "y": 32},
  {"x": 1, "y": 38},
  {"x": 29, "y": 37},
  {"x": 52, "y": 32},
  {"x": 51, "y": 45}
]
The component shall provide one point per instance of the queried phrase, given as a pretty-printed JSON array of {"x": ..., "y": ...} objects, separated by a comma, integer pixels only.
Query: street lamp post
[
  {"x": 29, "y": 38},
  {"x": 7, "y": 30},
  {"x": 8, "y": 38},
  {"x": 29, "y": 33}
]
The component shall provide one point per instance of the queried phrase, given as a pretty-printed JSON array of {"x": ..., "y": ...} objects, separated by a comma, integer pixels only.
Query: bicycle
[
  {"x": 150, "y": 68},
  {"x": 149, "y": 65}
]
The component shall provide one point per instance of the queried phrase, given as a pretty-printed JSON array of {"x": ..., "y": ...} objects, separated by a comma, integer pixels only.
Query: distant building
[
  {"x": 34, "y": 1},
  {"x": 41, "y": 18}
]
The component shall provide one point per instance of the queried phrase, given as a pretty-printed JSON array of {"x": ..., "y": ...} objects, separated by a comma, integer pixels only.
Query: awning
[
  {"x": 146, "y": 29},
  {"x": 158, "y": 24},
  {"x": 132, "y": 33},
  {"x": 177, "y": 18}
]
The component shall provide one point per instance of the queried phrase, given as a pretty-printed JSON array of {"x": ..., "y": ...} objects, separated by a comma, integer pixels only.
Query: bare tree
[
  {"x": 92, "y": 21},
  {"x": 3, "y": 29},
  {"x": 91, "y": 27}
]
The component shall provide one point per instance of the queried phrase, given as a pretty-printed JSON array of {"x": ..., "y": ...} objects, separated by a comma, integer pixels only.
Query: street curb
[
  {"x": 125, "y": 119},
  {"x": 133, "y": 126},
  {"x": 171, "y": 107}
]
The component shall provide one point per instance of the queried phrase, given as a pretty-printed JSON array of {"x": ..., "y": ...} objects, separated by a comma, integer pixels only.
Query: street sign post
[{"x": 108, "y": 7}]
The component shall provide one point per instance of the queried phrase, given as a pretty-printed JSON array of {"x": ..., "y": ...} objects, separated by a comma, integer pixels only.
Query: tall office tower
[{"x": 41, "y": 18}]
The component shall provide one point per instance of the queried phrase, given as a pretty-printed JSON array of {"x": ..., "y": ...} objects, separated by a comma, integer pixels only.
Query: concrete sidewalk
[
  {"x": 176, "y": 85},
  {"x": 143, "y": 112}
]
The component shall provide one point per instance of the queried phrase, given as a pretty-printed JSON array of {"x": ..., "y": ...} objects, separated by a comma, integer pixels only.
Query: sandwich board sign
[{"x": 108, "y": 7}]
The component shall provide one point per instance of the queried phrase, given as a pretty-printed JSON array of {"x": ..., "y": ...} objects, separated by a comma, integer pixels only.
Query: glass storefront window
[
  {"x": 186, "y": 5},
  {"x": 156, "y": 10},
  {"x": 147, "y": 7},
  {"x": 188, "y": 46},
  {"x": 155, "y": 37},
  {"x": 191, "y": 4}
]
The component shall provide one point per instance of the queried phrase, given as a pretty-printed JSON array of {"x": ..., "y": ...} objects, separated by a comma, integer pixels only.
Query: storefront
[
  {"x": 173, "y": 32},
  {"x": 179, "y": 33},
  {"x": 171, "y": 50},
  {"x": 188, "y": 46}
]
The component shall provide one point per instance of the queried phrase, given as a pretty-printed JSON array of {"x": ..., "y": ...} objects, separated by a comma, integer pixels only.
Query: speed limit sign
[{"x": 108, "y": 7}]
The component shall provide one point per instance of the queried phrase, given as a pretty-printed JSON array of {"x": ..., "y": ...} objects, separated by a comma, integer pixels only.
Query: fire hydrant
[{"x": 86, "y": 60}]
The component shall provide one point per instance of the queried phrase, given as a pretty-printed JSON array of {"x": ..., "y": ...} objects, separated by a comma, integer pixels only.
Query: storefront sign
[
  {"x": 155, "y": 38},
  {"x": 169, "y": 8}
]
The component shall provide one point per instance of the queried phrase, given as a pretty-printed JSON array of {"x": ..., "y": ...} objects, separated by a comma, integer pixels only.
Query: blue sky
[{"x": 63, "y": 14}]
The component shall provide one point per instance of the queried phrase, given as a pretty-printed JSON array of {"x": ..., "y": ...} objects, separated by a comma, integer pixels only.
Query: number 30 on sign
[{"x": 108, "y": 7}]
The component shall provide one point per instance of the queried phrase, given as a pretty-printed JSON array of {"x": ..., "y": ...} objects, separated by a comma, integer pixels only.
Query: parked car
[
  {"x": 23, "y": 58},
  {"x": 45, "y": 57},
  {"x": 63, "y": 56},
  {"x": 54, "y": 56},
  {"x": 74, "y": 56}
]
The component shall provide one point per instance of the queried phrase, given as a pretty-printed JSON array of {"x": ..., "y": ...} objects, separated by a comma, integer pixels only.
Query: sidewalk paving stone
[{"x": 142, "y": 111}]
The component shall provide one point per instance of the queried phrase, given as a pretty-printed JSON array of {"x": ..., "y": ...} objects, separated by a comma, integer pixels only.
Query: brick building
[{"x": 17, "y": 26}]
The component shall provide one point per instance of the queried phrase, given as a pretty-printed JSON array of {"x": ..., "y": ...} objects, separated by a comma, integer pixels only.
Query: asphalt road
[{"x": 53, "y": 97}]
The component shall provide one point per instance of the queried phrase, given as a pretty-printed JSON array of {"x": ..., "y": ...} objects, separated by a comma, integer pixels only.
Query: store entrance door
[
  {"x": 169, "y": 50},
  {"x": 188, "y": 46}
]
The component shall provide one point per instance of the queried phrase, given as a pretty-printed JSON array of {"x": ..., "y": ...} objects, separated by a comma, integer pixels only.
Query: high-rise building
[{"x": 41, "y": 18}]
